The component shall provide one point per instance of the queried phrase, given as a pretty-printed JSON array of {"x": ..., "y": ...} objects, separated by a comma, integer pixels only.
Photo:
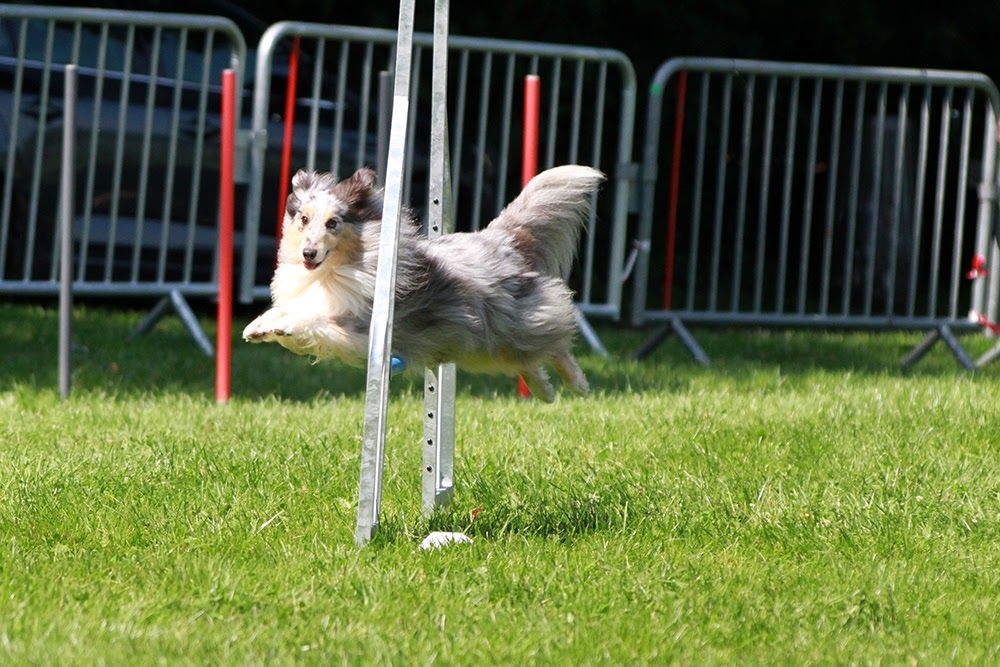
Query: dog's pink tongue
[{"x": 309, "y": 265}]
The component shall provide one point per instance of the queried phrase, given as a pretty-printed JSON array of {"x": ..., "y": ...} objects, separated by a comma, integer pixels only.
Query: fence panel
[
  {"x": 816, "y": 195},
  {"x": 588, "y": 108},
  {"x": 147, "y": 170}
]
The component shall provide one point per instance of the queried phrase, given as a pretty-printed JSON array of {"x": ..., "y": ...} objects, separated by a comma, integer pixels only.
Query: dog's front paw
[{"x": 265, "y": 329}]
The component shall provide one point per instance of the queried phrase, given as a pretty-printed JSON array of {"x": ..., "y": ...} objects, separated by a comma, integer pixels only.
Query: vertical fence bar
[
  {"x": 227, "y": 189},
  {"x": 36, "y": 177},
  {"x": 508, "y": 107},
  {"x": 918, "y": 200},
  {"x": 875, "y": 212},
  {"x": 741, "y": 213},
  {"x": 484, "y": 110},
  {"x": 317, "y": 88},
  {"x": 939, "y": 196},
  {"x": 411, "y": 129},
  {"x": 574, "y": 135},
  {"x": 380, "y": 334},
  {"x": 8, "y": 185},
  {"x": 456, "y": 147},
  {"x": 366, "y": 94},
  {"x": 986, "y": 212},
  {"x": 897, "y": 198},
  {"x": 720, "y": 192},
  {"x": 56, "y": 241},
  {"x": 140, "y": 211},
  {"x": 852, "y": 212},
  {"x": 116, "y": 185},
  {"x": 698, "y": 185},
  {"x": 765, "y": 191},
  {"x": 595, "y": 160},
  {"x": 199, "y": 151},
  {"x": 95, "y": 130},
  {"x": 161, "y": 262},
  {"x": 550, "y": 144},
  {"x": 67, "y": 183},
  {"x": 960, "y": 202},
  {"x": 831, "y": 196},
  {"x": 338, "y": 118},
  {"x": 786, "y": 199},
  {"x": 807, "y": 209}
]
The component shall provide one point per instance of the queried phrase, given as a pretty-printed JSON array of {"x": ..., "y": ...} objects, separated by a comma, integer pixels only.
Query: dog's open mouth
[{"x": 311, "y": 265}]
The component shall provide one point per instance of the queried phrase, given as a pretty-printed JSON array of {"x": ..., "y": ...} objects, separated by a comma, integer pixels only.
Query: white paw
[{"x": 269, "y": 327}]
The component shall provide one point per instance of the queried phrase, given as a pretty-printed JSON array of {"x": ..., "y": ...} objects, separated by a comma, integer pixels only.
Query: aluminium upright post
[
  {"x": 66, "y": 246},
  {"x": 380, "y": 332}
]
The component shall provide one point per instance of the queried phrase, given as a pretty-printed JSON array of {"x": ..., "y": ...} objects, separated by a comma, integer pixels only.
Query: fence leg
[
  {"x": 945, "y": 334},
  {"x": 989, "y": 356},
  {"x": 673, "y": 325},
  {"x": 589, "y": 335},
  {"x": 180, "y": 305}
]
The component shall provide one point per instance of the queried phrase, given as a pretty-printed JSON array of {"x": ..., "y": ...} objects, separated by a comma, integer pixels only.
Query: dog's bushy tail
[{"x": 546, "y": 218}]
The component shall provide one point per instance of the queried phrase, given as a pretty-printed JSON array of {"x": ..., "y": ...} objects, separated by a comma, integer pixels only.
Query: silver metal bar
[
  {"x": 595, "y": 160},
  {"x": 338, "y": 121},
  {"x": 807, "y": 209},
  {"x": 199, "y": 150},
  {"x": 8, "y": 184},
  {"x": 317, "y": 88},
  {"x": 574, "y": 145},
  {"x": 116, "y": 185},
  {"x": 74, "y": 59},
  {"x": 741, "y": 212},
  {"x": 168, "y": 191},
  {"x": 897, "y": 198},
  {"x": 36, "y": 177},
  {"x": 67, "y": 183},
  {"x": 366, "y": 88},
  {"x": 852, "y": 213},
  {"x": 385, "y": 126},
  {"x": 95, "y": 131},
  {"x": 960, "y": 199},
  {"x": 411, "y": 128},
  {"x": 459, "y": 137},
  {"x": 876, "y": 206},
  {"x": 550, "y": 144},
  {"x": 698, "y": 185},
  {"x": 939, "y": 195},
  {"x": 484, "y": 110},
  {"x": 437, "y": 476},
  {"x": 786, "y": 198},
  {"x": 874, "y": 322},
  {"x": 918, "y": 200},
  {"x": 147, "y": 132},
  {"x": 380, "y": 334},
  {"x": 508, "y": 104},
  {"x": 831, "y": 197},
  {"x": 720, "y": 192},
  {"x": 765, "y": 190},
  {"x": 985, "y": 218}
]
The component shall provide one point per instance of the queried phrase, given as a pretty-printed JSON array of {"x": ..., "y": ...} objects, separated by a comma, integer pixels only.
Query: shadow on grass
[{"x": 167, "y": 361}]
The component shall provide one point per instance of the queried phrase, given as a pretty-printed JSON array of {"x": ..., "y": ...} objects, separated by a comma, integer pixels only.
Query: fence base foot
[
  {"x": 943, "y": 333},
  {"x": 589, "y": 334},
  {"x": 989, "y": 356},
  {"x": 180, "y": 306},
  {"x": 673, "y": 325}
]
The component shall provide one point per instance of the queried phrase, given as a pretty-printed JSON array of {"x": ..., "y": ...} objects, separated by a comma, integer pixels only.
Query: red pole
[
  {"x": 224, "y": 315},
  {"x": 286, "y": 146},
  {"x": 675, "y": 187},
  {"x": 529, "y": 156}
]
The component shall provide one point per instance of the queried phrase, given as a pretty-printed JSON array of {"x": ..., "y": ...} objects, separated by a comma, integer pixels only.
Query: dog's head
[{"x": 323, "y": 217}]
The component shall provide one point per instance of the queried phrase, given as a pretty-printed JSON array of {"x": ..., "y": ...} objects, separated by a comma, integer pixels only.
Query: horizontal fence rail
[
  {"x": 148, "y": 101},
  {"x": 588, "y": 109},
  {"x": 799, "y": 194}
]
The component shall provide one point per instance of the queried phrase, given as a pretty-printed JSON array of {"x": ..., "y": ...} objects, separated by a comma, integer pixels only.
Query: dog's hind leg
[
  {"x": 571, "y": 373},
  {"x": 538, "y": 382}
]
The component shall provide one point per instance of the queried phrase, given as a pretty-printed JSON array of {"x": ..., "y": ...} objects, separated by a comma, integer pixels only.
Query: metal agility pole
[
  {"x": 439, "y": 388},
  {"x": 68, "y": 185}
]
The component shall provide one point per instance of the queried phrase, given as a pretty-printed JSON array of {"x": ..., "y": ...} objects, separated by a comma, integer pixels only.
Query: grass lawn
[{"x": 799, "y": 501}]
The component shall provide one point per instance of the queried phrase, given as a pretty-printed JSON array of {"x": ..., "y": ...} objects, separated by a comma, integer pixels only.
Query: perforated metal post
[
  {"x": 439, "y": 383},
  {"x": 380, "y": 333}
]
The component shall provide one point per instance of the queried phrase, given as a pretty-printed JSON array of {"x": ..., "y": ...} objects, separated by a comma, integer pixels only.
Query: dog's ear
[
  {"x": 303, "y": 180},
  {"x": 292, "y": 205},
  {"x": 362, "y": 195}
]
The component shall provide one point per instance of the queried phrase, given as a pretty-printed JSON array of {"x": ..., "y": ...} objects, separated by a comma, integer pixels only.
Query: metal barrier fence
[
  {"x": 147, "y": 175},
  {"x": 588, "y": 116},
  {"x": 820, "y": 195}
]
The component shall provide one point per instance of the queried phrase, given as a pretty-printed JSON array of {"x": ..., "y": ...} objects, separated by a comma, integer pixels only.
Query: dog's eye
[
  {"x": 305, "y": 219},
  {"x": 332, "y": 223}
]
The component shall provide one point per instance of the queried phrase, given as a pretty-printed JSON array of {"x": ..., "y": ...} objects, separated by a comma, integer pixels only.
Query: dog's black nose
[{"x": 309, "y": 254}]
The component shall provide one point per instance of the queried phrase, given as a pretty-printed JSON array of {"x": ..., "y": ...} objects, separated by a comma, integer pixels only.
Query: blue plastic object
[{"x": 396, "y": 366}]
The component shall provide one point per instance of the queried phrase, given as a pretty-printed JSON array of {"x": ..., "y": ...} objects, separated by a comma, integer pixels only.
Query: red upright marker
[
  {"x": 224, "y": 315},
  {"x": 529, "y": 156}
]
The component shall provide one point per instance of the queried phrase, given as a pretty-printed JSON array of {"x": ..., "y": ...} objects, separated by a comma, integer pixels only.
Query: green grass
[{"x": 800, "y": 501}]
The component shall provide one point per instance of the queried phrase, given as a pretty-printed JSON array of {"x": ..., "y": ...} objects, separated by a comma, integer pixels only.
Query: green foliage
[{"x": 800, "y": 501}]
